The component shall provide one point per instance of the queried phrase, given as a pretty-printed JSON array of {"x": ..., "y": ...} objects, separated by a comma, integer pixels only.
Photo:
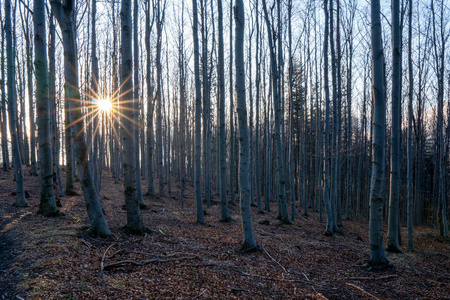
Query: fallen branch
[
  {"x": 372, "y": 278},
  {"x": 102, "y": 262},
  {"x": 199, "y": 295},
  {"x": 89, "y": 245},
  {"x": 362, "y": 290},
  {"x": 146, "y": 262},
  {"x": 275, "y": 260},
  {"x": 304, "y": 275}
]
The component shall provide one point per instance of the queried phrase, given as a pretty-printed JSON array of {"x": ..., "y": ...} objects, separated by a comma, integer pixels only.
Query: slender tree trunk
[
  {"x": 47, "y": 202},
  {"x": 222, "y": 132},
  {"x": 349, "y": 207},
  {"x": 244, "y": 188},
  {"x": 291, "y": 115},
  {"x": 64, "y": 14},
  {"x": 159, "y": 133},
  {"x": 257, "y": 100},
  {"x": 5, "y": 150},
  {"x": 393, "y": 243},
  {"x": 326, "y": 190},
  {"x": 281, "y": 189},
  {"x": 12, "y": 107},
  {"x": 30, "y": 100},
  {"x": 198, "y": 112},
  {"x": 410, "y": 209},
  {"x": 134, "y": 219},
  {"x": 334, "y": 136},
  {"x": 150, "y": 102},
  {"x": 378, "y": 258},
  {"x": 339, "y": 117},
  {"x": 95, "y": 92},
  {"x": 137, "y": 106},
  {"x": 232, "y": 140}
]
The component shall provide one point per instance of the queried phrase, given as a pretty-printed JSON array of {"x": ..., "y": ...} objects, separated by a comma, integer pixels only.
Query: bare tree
[
  {"x": 409, "y": 176},
  {"x": 378, "y": 258},
  {"x": 12, "y": 107},
  {"x": 4, "y": 140},
  {"x": 222, "y": 132},
  {"x": 392, "y": 244},
  {"x": 134, "y": 219},
  {"x": 244, "y": 184},
  {"x": 281, "y": 189},
  {"x": 64, "y": 13},
  {"x": 198, "y": 112},
  {"x": 47, "y": 204}
]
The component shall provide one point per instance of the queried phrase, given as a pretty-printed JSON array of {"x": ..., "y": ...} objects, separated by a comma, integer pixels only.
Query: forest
[{"x": 259, "y": 149}]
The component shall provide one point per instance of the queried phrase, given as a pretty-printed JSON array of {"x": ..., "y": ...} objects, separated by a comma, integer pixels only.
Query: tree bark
[
  {"x": 12, "y": 108},
  {"x": 198, "y": 112},
  {"x": 378, "y": 258},
  {"x": 281, "y": 188},
  {"x": 222, "y": 132},
  {"x": 64, "y": 14},
  {"x": 47, "y": 202},
  {"x": 392, "y": 242},
  {"x": 244, "y": 184},
  {"x": 410, "y": 187},
  {"x": 134, "y": 219}
]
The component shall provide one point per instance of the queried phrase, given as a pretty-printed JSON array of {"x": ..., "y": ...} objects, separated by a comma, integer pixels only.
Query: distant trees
[
  {"x": 64, "y": 13},
  {"x": 12, "y": 108},
  {"x": 315, "y": 140}
]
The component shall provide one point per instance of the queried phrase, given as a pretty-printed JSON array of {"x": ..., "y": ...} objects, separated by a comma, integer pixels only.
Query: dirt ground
[{"x": 55, "y": 258}]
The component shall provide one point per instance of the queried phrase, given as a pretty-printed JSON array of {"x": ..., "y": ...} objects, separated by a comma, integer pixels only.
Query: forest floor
[{"x": 55, "y": 258}]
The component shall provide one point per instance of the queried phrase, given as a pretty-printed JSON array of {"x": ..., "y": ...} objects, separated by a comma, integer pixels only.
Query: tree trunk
[
  {"x": 12, "y": 107},
  {"x": 378, "y": 258},
  {"x": 410, "y": 209},
  {"x": 392, "y": 242},
  {"x": 244, "y": 188},
  {"x": 326, "y": 190},
  {"x": 47, "y": 202},
  {"x": 3, "y": 117},
  {"x": 134, "y": 219},
  {"x": 281, "y": 188},
  {"x": 222, "y": 132},
  {"x": 137, "y": 106},
  {"x": 232, "y": 140},
  {"x": 64, "y": 14},
  {"x": 198, "y": 112}
]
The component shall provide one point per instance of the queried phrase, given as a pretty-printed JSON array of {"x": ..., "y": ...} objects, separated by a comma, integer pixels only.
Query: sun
[{"x": 104, "y": 105}]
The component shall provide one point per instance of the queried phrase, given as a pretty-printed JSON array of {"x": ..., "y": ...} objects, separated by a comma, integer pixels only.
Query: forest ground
[{"x": 55, "y": 258}]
